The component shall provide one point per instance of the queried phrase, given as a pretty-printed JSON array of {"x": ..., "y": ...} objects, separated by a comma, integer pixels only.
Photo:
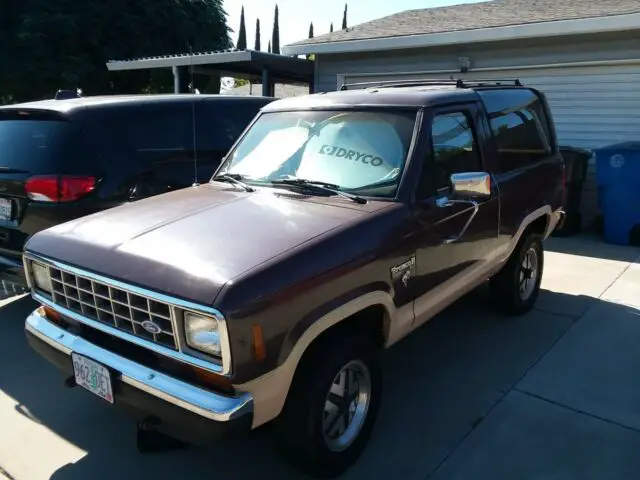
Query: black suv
[{"x": 63, "y": 159}]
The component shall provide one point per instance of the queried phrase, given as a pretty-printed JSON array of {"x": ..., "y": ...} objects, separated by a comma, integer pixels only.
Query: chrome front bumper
[{"x": 206, "y": 404}]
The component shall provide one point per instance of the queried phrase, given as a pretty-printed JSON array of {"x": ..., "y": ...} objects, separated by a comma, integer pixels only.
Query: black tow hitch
[{"x": 150, "y": 440}]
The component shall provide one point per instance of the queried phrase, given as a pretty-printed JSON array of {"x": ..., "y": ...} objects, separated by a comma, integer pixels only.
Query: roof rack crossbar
[
  {"x": 492, "y": 82},
  {"x": 458, "y": 83},
  {"x": 396, "y": 83}
]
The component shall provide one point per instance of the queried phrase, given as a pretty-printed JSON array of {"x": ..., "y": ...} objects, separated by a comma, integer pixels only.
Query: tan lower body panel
[{"x": 270, "y": 390}]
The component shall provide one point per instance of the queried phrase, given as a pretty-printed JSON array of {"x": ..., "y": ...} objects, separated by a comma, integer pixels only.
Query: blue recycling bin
[{"x": 618, "y": 174}]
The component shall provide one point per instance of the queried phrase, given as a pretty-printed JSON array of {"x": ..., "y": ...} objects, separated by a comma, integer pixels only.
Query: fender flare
[
  {"x": 331, "y": 308},
  {"x": 271, "y": 389}
]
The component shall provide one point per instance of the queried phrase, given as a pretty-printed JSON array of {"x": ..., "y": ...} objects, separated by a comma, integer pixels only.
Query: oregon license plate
[
  {"x": 5, "y": 209},
  {"x": 92, "y": 376}
]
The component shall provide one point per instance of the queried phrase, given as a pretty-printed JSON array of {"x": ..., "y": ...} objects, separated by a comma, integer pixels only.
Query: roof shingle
[{"x": 469, "y": 16}]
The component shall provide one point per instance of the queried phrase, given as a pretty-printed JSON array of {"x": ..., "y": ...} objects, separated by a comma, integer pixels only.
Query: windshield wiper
[
  {"x": 323, "y": 186},
  {"x": 235, "y": 179}
]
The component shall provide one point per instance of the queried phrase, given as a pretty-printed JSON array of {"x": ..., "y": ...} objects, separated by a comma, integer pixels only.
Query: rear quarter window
[
  {"x": 38, "y": 145},
  {"x": 221, "y": 123},
  {"x": 155, "y": 133},
  {"x": 519, "y": 125}
]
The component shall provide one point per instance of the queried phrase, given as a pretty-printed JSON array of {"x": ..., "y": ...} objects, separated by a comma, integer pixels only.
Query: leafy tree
[
  {"x": 46, "y": 46},
  {"x": 257, "y": 47},
  {"x": 344, "y": 17},
  {"x": 275, "y": 37},
  {"x": 242, "y": 34}
]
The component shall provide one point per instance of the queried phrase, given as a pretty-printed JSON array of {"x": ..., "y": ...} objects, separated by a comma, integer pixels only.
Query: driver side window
[{"x": 453, "y": 147}]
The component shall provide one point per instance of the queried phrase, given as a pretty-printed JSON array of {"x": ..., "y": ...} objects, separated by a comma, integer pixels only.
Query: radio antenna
[{"x": 193, "y": 120}]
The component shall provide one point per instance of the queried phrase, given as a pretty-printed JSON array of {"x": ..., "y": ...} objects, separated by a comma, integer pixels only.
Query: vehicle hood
[{"x": 191, "y": 242}]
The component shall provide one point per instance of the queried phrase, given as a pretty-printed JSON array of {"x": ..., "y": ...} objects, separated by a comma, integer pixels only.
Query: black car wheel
[
  {"x": 332, "y": 406},
  {"x": 517, "y": 286}
]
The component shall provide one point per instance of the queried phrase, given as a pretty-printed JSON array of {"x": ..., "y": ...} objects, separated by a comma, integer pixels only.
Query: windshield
[{"x": 357, "y": 151}]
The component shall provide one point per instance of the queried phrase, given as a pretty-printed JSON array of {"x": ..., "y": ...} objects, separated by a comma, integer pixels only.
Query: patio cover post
[
  {"x": 176, "y": 79},
  {"x": 268, "y": 89}
]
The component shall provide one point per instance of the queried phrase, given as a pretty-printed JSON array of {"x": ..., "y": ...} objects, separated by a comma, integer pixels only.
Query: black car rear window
[{"x": 36, "y": 145}]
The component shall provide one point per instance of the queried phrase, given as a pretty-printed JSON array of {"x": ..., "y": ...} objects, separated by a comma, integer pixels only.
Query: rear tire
[
  {"x": 332, "y": 405},
  {"x": 517, "y": 286}
]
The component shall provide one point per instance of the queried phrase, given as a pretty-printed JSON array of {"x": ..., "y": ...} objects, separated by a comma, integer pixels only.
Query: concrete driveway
[{"x": 471, "y": 395}]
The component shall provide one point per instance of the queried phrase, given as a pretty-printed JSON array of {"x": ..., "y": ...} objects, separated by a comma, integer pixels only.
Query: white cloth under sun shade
[{"x": 353, "y": 150}]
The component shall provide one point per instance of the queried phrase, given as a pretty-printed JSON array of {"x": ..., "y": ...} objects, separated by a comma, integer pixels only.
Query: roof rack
[{"x": 458, "y": 83}]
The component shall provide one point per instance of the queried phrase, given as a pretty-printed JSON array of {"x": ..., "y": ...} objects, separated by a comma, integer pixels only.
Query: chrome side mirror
[{"x": 471, "y": 184}]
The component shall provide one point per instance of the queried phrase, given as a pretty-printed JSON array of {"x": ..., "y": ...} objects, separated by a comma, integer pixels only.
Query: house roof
[{"x": 472, "y": 16}]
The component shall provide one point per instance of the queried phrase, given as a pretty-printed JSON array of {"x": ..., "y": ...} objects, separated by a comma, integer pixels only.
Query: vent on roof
[{"x": 67, "y": 94}]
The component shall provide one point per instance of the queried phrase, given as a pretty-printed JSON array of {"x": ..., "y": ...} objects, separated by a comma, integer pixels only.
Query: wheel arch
[{"x": 270, "y": 390}]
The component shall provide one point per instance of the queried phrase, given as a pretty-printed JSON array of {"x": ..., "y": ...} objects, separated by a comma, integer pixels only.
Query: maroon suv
[{"x": 336, "y": 225}]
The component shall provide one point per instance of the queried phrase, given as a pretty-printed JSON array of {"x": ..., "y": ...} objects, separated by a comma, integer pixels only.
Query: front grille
[{"x": 112, "y": 306}]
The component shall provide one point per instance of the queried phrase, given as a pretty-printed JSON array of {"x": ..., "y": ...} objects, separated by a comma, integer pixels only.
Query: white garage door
[{"x": 591, "y": 106}]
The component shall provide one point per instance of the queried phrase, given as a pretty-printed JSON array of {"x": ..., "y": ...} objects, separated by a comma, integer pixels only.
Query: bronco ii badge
[{"x": 404, "y": 270}]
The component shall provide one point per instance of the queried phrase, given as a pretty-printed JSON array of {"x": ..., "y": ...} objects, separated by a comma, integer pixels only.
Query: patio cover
[{"x": 249, "y": 64}]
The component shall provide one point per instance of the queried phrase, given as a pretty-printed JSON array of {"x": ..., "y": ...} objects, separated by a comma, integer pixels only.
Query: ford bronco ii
[{"x": 337, "y": 224}]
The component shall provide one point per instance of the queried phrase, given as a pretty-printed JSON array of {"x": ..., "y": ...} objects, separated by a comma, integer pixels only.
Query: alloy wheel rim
[
  {"x": 528, "y": 274},
  {"x": 346, "y": 405}
]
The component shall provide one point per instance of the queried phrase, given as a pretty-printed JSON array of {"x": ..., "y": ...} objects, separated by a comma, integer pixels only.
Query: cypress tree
[
  {"x": 310, "y": 57},
  {"x": 257, "y": 47},
  {"x": 269, "y": 50},
  {"x": 344, "y": 17},
  {"x": 275, "y": 38},
  {"x": 331, "y": 28},
  {"x": 242, "y": 34}
]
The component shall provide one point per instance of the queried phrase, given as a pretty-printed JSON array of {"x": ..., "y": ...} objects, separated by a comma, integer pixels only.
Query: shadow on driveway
[
  {"x": 591, "y": 245},
  {"x": 440, "y": 383}
]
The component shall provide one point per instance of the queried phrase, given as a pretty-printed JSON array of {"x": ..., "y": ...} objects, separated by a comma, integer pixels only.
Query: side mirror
[{"x": 471, "y": 184}]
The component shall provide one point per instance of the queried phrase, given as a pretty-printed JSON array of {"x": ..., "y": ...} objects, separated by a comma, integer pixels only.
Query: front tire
[
  {"x": 517, "y": 286},
  {"x": 332, "y": 406}
]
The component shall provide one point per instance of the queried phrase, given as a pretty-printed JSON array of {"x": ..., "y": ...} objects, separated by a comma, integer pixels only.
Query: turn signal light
[
  {"x": 217, "y": 382},
  {"x": 50, "y": 314},
  {"x": 259, "y": 349}
]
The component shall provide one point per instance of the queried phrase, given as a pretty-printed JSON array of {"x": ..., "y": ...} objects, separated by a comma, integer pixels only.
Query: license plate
[
  {"x": 5, "y": 209},
  {"x": 92, "y": 376}
]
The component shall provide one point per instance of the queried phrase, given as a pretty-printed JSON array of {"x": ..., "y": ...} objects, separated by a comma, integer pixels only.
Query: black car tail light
[{"x": 59, "y": 188}]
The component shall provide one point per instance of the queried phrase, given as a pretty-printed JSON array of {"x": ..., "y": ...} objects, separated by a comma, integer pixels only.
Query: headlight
[
  {"x": 203, "y": 333},
  {"x": 41, "y": 278}
]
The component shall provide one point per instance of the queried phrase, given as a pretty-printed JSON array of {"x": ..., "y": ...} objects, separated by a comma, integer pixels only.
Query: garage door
[{"x": 591, "y": 106}]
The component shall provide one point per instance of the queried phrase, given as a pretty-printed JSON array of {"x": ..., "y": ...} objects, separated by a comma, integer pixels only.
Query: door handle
[{"x": 445, "y": 202}]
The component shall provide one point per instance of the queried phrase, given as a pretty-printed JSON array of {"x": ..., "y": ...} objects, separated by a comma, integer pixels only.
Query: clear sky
[{"x": 295, "y": 15}]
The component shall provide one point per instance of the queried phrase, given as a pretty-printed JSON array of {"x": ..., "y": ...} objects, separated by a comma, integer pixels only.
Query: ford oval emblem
[{"x": 151, "y": 327}]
